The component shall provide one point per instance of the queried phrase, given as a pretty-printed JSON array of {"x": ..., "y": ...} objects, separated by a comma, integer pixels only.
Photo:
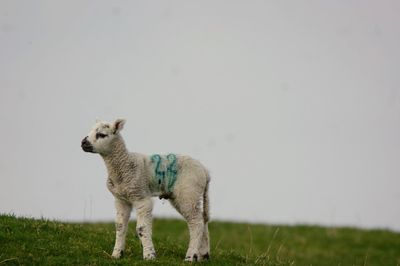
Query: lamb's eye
[{"x": 100, "y": 135}]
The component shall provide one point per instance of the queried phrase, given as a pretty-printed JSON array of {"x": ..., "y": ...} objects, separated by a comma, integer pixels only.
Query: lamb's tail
[{"x": 206, "y": 202}]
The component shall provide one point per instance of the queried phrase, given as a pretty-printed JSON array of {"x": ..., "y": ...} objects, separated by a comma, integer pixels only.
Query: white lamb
[{"x": 134, "y": 178}]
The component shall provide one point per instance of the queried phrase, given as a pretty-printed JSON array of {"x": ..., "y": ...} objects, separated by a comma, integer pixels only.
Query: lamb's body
[{"x": 132, "y": 180}]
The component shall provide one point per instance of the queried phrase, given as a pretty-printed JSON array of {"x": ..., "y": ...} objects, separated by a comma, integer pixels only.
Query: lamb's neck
[{"x": 117, "y": 160}]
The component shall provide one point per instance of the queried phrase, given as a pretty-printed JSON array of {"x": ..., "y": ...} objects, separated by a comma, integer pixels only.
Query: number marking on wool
[{"x": 165, "y": 170}]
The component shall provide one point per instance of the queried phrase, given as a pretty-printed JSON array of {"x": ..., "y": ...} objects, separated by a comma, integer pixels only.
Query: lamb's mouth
[
  {"x": 88, "y": 148},
  {"x": 86, "y": 145}
]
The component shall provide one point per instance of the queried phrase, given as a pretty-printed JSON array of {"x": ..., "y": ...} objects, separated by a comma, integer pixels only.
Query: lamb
[{"x": 134, "y": 179}]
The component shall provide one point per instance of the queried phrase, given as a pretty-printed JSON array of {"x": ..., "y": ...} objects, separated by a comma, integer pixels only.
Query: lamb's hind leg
[
  {"x": 204, "y": 249},
  {"x": 205, "y": 242},
  {"x": 192, "y": 213},
  {"x": 144, "y": 227}
]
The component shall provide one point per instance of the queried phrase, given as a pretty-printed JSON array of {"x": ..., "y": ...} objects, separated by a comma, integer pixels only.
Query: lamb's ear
[{"x": 118, "y": 125}]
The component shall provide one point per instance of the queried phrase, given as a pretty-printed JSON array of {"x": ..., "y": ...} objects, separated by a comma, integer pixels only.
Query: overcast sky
[{"x": 294, "y": 106}]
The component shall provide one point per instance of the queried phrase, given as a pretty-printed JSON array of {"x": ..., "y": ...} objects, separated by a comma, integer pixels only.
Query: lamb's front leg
[
  {"x": 121, "y": 225},
  {"x": 144, "y": 227}
]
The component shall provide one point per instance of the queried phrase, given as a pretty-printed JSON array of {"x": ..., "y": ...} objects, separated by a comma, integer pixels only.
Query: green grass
[{"x": 25, "y": 241}]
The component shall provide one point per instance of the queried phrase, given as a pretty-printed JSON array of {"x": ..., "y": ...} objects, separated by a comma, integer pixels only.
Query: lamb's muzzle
[{"x": 86, "y": 145}]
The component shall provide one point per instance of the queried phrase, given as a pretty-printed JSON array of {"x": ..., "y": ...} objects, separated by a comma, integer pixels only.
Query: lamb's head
[{"x": 100, "y": 138}]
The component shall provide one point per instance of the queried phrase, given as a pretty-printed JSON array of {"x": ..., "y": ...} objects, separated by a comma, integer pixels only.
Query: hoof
[
  {"x": 117, "y": 254},
  {"x": 150, "y": 256},
  {"x": 205, "y": 256},
  {"x": 192, "y": 258}
]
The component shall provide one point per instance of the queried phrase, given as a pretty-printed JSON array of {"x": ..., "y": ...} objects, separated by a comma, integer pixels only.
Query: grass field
[{"x": 26, "y": 241}]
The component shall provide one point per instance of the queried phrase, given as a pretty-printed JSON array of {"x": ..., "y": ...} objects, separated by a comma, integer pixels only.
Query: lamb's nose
[{"x": 84, "y": 141}]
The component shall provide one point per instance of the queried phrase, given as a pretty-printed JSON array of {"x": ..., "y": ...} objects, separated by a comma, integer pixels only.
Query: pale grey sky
[{"x": 294, "y": 106}]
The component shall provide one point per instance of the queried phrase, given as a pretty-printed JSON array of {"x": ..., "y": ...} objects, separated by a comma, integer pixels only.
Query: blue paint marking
[
  {"x": 172, "y": 170},
  {"x": 165, "y": 170}
]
